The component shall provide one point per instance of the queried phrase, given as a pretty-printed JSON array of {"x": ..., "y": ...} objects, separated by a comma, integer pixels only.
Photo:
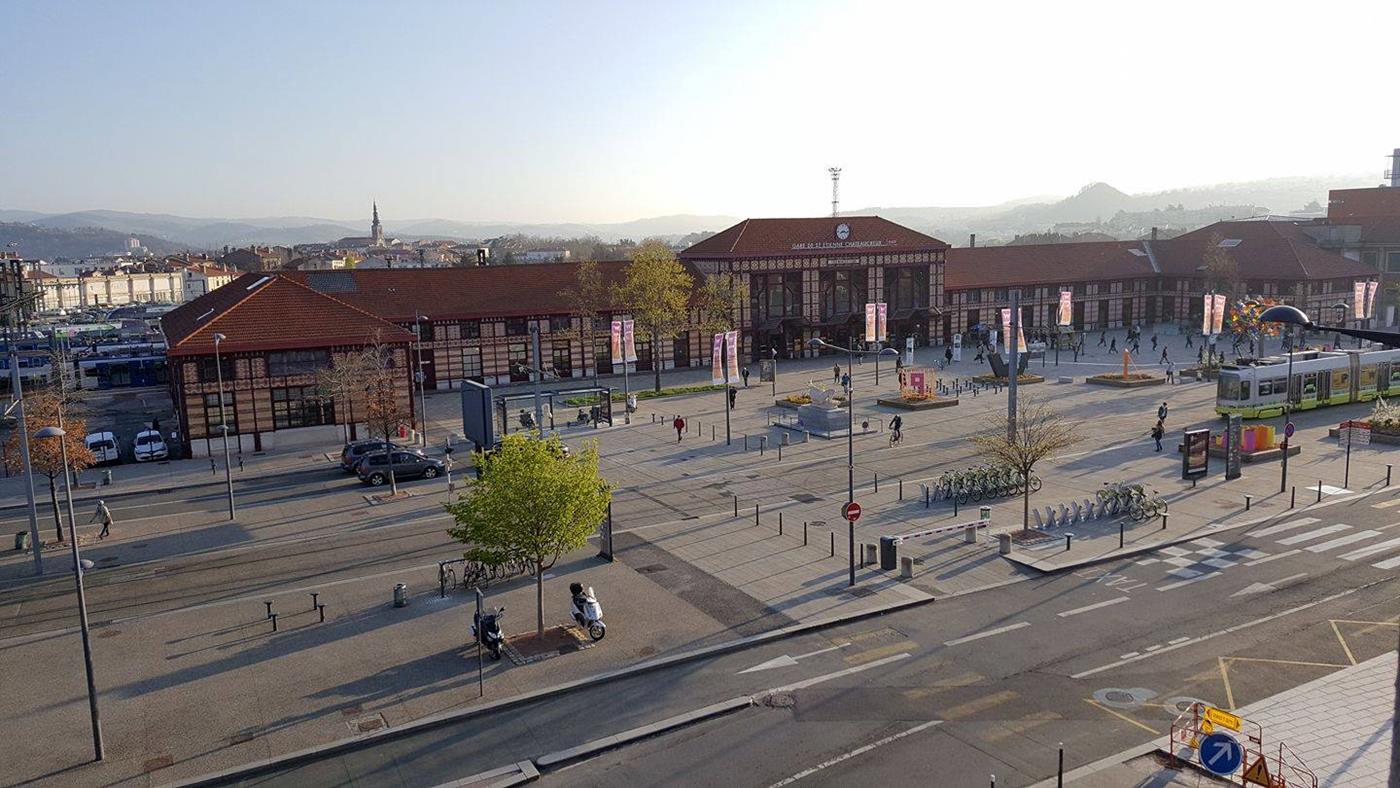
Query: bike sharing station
[{"x": 1229, "y": 746}]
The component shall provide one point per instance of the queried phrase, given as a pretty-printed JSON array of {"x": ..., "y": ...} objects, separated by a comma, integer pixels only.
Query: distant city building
[
  {"x": 544, "y": 256},
  {"x": 255, "y": 258},
  {"x": 375, "y": 239}
]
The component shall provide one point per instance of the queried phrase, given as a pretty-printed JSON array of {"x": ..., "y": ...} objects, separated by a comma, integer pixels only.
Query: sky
[{"x": 608, "y": 111}]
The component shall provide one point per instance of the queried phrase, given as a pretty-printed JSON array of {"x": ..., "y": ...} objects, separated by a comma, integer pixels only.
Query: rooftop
[{"x": 803, "y": 237}]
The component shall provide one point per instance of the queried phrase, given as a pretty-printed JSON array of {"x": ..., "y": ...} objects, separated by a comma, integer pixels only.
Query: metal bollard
[
  {"x": 1060, "y": 770},
  {"x": 736, "y": 506},
  {"x": 804, "y": 533},
  {"x": 955, "y": 504},
  {"x": 925, "y": 496},
  {"x": 780, "y": 451},
  {"x": 1247, "y": 499},
  {"x": 274, "y": 622},
  {"x": 1293, "y": 497},
  {"x": 314, "y": 594},
  {"x": 712, "y": 432},
  {"x": 1068, "y": 539},
  {"x": 1120, "y": 534},
  {"x": 833, "y": 544},
  {"x": 1164, "y": 521},
  {"x": 877, "y": 482},
  {"x": 762, "y": 444},
  {"x": 780, "y": 523},
  {"x": 901, "y": 489},
  {"x": 755, "y": 514},
  {"x": 1319, "y": 491},
  {"x": 322, "y": 610},
  {"x": 746, "y": 441},
  {"x": 269, "y": 609},
  {"x": 1387, "y": 474}
]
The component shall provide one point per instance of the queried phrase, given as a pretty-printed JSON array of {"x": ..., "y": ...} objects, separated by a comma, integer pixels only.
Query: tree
[
  {"x": 46, "y": 408},
  {"x": 719, "y": 299},
  {"x": 385, "y": 411},
  {"x": 1222, "y": 273},
  {"x": 586, "y": 298},
  {"x": 531, "y": 502},
  {"x": 341, "y": 381},
  {"x": 656, "y": 291},
  {"x": 1041, "y": 433}
]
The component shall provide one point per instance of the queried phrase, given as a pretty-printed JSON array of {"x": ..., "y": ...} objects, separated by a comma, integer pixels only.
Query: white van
[
  {"x": 149, "y": 445},
  {"x": 103, "y": 446}
]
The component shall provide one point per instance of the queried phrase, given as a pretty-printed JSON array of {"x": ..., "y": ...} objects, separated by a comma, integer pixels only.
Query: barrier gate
[{"x": 1284, "y": 770}]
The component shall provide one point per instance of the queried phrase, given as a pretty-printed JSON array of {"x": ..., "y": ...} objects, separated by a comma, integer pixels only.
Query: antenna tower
[{"x": 835, "y": 189}]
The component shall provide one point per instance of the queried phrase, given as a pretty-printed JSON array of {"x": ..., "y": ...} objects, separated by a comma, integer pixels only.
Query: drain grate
[
  {"x": 650, "y": 568},
  {"x": 804, "y": 498},
  {"x": 370, "y": 724},
  {"x": 860, "y": 593},
  {"x": 157, "y": 763}
]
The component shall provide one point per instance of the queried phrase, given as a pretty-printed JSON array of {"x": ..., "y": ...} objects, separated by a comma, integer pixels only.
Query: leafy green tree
[
  {"x": 718, "y": 301},
  {"x": 586, "y": 299},
  {"x": 656, "y": 291},
  {"x": 531, "y": 502}
]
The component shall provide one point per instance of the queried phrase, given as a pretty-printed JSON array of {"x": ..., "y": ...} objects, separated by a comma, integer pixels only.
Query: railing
[{"x": 1301, "y": 775}]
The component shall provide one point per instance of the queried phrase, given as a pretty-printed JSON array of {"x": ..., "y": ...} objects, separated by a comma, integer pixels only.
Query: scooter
[
  {"x": 487, "y": 629},
  {"x": 586, "y": 611}
]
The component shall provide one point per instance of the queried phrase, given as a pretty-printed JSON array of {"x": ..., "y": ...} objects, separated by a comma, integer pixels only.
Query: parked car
[
  {"x": 149, "y": 445},
  {"x": 355, "y": 451},
  {"x": 103, "y": 446},
  {"x": 373, "y": 468}
]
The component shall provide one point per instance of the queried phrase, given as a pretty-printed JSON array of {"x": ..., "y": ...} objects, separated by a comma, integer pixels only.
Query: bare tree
[
  {"x": 1222, "y": 272},
  {"x": 385, "y": 410},
  {"x": 718, "y": 302},
  {"x": 1041, "y": 433},
  {"x": 586, "y": 299},
  {"x": 340, "y": 382},
  {"x": 51, "y": 407}
]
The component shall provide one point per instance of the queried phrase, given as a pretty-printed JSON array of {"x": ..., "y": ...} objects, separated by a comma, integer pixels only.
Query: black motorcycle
[{"x": 487, "y": 629}]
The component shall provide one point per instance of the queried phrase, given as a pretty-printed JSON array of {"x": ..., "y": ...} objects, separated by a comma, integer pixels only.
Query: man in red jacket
[{"x": 679, "y": 424}]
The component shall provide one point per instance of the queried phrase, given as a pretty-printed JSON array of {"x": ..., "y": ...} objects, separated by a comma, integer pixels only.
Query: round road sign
[
  {"x": 1221, "y": 754},
  {"x": 851, "y": 511},
  {"x": 1288, "y": 430}
]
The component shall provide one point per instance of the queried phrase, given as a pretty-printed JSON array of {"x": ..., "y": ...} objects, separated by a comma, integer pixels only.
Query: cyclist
[{"x": 896, "y": 424}]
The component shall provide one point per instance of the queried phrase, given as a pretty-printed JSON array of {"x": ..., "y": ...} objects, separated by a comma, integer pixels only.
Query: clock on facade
[{"x": 843, "y": 231}]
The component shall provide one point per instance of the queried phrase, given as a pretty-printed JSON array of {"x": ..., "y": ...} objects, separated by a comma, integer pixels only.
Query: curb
[
  {"x": 504, "y": 777},
  {"x": 256, "y": 768},
  {"x": 606, "y": 743},
  {"x": 1099, "y": 765},
  {"x": 165, "y": 489}
]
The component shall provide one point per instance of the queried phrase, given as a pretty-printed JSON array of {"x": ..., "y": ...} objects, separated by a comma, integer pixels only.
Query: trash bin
[
  {"x": 22, "y": 540},
  {"x": 400, "y": 595},
  {"x": 888, "y": 553}
]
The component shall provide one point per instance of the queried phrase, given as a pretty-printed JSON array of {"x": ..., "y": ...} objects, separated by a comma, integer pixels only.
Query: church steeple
[{"x": 376, "y": 232}]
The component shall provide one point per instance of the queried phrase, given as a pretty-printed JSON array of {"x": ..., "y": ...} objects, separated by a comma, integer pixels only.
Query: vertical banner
[
  {"x": 1234, "y": 431},
  {"x": 1020, "y": 339},
  {"x": 732, "y": 356},
  {"x": 1358, "y": 301},
  {"x": 1371, "y": 288},
  {"x": 629, "y": 341},
  {"x": 1217, "y": 318},
  {"x": 717, "y": 361},
  {"x": 1066, "y": 307},
  {"x": 908, "y": 351},
  {"x": 871, "y": 318},
  {"x": 1006, "y": 331},
  {"x": 616, "y": 341},
  {"x": 881, "y": 314},
  {"x": 1208, "y": 306},
  {"x": 957, "y": 347}
]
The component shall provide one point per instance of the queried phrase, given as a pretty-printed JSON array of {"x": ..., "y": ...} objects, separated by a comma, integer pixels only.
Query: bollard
[
  {"x": 925, "y": 486},
  {"x": 901, "y": 489},
  {"x": 955, "y": 504},
  {"x": 1293, "y": 498},
  {"x": 736, "y": 506},
  {"x": 274, "y": 622},
  {"x": 1319, "y": 491},
  {"x": 1247, "y": 499},
  {"x": 1120, "y": 534},
  {"x": 970, "y": 534},
  {"x": 1060, "y": 770},
  {"x": 755, "y": 514},
  {"x": 1164, "y": 521},
  {"x": 780, "y": 523},
  {"x": 780, "y": 449},
  {"x": 322, "y": 610},
  {"x": 400, "y": 595},
  {"x": 762, "y": 444},
  {"x": 269, "y": 609},
  {"x": 746, "y": 441},
  {"x": 833, "y": 544},
  {"x": 877, "y": 482},
  {"x": 314, "y": 594},
  {"x": 804, "y": 533},
  {"x": 1068, "y": 538},
  {"x": 1387, "y": 474},
  {"x": 712, "y": 432},
  {"x": 906, "y": 568},
  {"x": 653, "y": 418}
]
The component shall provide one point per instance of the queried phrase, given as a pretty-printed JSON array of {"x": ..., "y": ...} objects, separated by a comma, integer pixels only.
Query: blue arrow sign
[{"x": 1221, "y": 754}]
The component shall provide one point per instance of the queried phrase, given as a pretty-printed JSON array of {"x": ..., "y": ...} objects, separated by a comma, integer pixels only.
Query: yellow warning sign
[
  {"x": 1258, "y": 773},
  {"x": 1222, "y": 718},
  {"x": 1207, "y": 728}
]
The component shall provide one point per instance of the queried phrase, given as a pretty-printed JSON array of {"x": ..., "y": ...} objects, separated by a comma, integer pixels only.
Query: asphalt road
[{"x": 987, "y": 683}]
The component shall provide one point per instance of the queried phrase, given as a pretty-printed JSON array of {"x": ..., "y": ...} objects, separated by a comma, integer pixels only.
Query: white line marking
[
  {"x": 857, "y": 751},
  {"x": 986, "y": 634},
  {"x": 1389, "y": 563},
  {"x": 1180, "y": 583},
  {"x": 1151, "y": 649},
  {"x": 838, "y": 674},
  {"x": 1129, "y": 655},
  {"x": 1174, "y": 641},
  {"x": 1378, "y": 547},
  {"x": 1310, "y": 535},
  {"x": 1094, "y": 606},
  {"x": 1341, "y": 540},
  {"x": 1266, "y": 559},
  {"x": 1278, "y": 529},
  {"x": 1218, "y": 633},
  {"x": 1386, "y": 504}
]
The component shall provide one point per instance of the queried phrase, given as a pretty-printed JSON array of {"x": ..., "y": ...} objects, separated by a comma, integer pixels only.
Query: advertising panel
[{"x": 1195, "y": 460}]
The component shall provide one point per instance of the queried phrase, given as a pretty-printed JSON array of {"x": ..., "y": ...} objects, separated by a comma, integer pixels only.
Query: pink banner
[
  {"x": 629, "y": 341},
  {"x": 871, "y": 318},
  {"x": 1217, "y": 320},
  {"x": 882, "y": 313},
  {"x": 1006, "y": 331},
  {"x": 1371, "y": 288},
  {"x": 1066, "y": 307},
  {"x": 1207, "y": 307},
  {"x": 616, "y": 341},
  {"x": 732, "y": 356},
  {"x": 916, "y": 382},
  {"x": 717, "y": 361},
  {"x": 1358, "y": 300}
]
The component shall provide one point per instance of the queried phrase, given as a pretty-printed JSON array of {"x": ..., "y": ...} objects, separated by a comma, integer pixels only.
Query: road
[{"x": 987, "y": 683}]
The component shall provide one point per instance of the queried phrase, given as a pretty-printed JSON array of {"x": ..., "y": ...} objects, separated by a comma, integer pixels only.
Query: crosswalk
[{"x": 1305, "y": 533}]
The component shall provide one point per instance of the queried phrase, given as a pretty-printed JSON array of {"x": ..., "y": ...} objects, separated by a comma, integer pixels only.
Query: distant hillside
[{"x": 32, "y": 241}]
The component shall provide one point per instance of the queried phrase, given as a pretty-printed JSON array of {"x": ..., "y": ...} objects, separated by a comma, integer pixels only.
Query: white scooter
[{"x": 586, "y": 611}]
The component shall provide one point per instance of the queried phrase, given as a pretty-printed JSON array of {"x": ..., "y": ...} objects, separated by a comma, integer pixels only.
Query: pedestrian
[
  {"x": 1137, "y": 348},
  {"x": 1075, "y": 348},
  {"x": 679, "y": 424},
  {"x": 1162, "y": 413},
  {"x": 733, "y": 397},
  {"x": 105, "y": 515},
  {"x": 1154, "y": 342},
  {"x": 1157, "y": 432},
  {"x": 846, "y": 381},
  {"x": 1171, "y": 371},
  {"x": 1102, "y": 334},
  {"x": 1164, "y": 355},
  {"x": 1188, "y": 341},
  {"x": 744, "y": 373},
  {"x": 835, "y": 373},
  {"x": 1112, "y": 345},
  {"x": 947, "y": 356},
  {"x": 1200, "y": 355}
]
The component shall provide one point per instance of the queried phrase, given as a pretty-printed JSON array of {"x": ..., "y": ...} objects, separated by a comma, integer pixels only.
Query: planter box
[
  {"x": 1254, "y": 456},
  {"x": 782, "y": 403},
  {"x": 919, "y": 404},
  {"x": 1117, "y": 381},
  {"x": 1024, "y": 379},
  {"x": 1376, "y": 437}
]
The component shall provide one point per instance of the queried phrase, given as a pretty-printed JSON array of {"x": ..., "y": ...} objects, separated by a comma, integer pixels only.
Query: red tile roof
[
  {"x": 1266, "y": 250},
  {"x": 1031, "y": 264},
  {"x": 271, "y": 312},
  {"x": 808, "y": 237}
]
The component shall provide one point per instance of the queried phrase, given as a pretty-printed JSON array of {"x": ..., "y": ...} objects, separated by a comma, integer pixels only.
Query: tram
[{"x": 1257, "y": 390}]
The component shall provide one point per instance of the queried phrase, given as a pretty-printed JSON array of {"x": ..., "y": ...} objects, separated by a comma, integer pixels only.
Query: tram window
[
  {"x": 1341, "y": 379},
  {"x": 1229, "y": 388},
  {"x": 1395, "y": 375},
  {"x": 1368, "y": 377},
  {"x": 1310, "y": 385},
  {"x": 1266, "y": 388},
  {"x": 1244, "y": 390}
]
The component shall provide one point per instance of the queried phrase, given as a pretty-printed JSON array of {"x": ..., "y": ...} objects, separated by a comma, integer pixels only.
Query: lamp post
[
  {"x": 851, "y": 353},
  {"x": 50, "y": 433},
  {"x": 418, "y": 376},
  {"x": 223, "y": 422}
]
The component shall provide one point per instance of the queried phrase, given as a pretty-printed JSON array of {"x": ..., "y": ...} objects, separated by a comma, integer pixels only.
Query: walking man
[
  {"x": 1112, "y": 346},
  {"x": 733, "y": 397},
  {"x": 744, "y": 373},
  {"x": 1162, "y": 413},
  {"x": 1164, "y": 355},
  {"x": 947, "y": 356},
  {"x": 679, "y": 424},
  {"x": 1171, "y": 371},
  {"x": 105, "y": 515},
  {"x": 846, "y": 381},
  {"x": 1102, "y": 334},
  {"x": 1188, "y": 340},
  {"x": 1154, "y": 341},
  {"x": 835, "y": 373},
  {"x": 1157, "y": 432}
]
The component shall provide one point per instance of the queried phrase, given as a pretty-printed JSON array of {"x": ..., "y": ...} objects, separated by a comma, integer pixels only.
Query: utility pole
[
  {"x": 18, "y": 406},
  {"x": 536, "y": 373},
  {"x": 724, "y": 365},
  {"x": 420, "y": 378},
  {"x": 1012, "y": 342}
]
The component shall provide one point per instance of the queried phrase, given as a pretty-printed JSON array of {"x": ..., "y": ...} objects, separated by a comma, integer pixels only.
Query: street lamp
[
  {"x": 49, "y": 433},
  {"x": 418, "y": 374},
  {"x": 223, "y": 421},
  {"x": 851, "y": 353}
]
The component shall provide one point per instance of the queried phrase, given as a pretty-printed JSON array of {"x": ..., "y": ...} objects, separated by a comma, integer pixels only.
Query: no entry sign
[{"x": 851, "y": 511}]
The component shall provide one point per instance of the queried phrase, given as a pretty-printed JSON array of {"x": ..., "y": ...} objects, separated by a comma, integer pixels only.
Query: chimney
[
  {"x": 972, "y": 241},
  {"x": 481, "y": 257},
  {"x": 1154, "y": 233},
  {"x": 1395, "y": 169}
]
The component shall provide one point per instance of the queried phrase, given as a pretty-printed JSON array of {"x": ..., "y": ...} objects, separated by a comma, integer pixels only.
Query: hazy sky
[{"x": 605, "y": 111}]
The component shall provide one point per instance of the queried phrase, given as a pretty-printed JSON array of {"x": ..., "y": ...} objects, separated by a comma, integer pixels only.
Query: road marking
[
  {"x": 1278, "y": 529},
  {"x": 1180, "y": 583},
  {"x": 785, "y": 661},
  {"x": 1266, "y": 559},
  {"x": 1389, "y": 563},
  {"x": 1228, "y": 630},
  {"x": 857, "y": 751},
  {"x": 1255, "y": 588},
  {"x": 1378, "y": 547},
  {"x": 979, "y": 704},
  {"x": 812, "y": 682},
  {"x": 1341, "y": 540},
  {"x": 1129, "y": 655},
  {"x": 987, "y": 634},
  {"x": 1095, "y": 606},
  {"x": 883, "y": 651},
  {"x": 1345, "y": 648},
  {"x": 1174, "y": 641},
  {"x": 1122, "y": 717},
  {"x": 1310, "y": 535},
  {"x": 1386, "y": 504}
]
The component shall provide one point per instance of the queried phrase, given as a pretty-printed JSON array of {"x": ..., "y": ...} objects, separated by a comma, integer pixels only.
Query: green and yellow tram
[{"x": 1320, "y": 378}]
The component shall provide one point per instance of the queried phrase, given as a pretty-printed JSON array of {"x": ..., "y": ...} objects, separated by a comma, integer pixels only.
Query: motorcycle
[
  {"x": 586, "y": 611},
  {"x": 487, "y": 630}
]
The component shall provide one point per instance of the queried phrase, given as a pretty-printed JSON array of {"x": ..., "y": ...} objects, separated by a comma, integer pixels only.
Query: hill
[{"x": 33, "y": 241}]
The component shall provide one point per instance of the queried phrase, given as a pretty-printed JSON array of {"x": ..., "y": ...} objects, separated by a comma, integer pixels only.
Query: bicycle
[{"x": 896, "y": 436}]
